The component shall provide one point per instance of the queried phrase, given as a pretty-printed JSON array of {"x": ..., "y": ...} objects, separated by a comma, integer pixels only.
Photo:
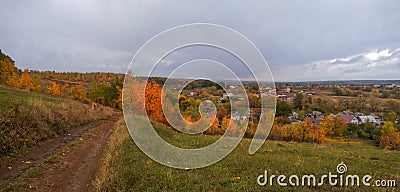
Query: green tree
[
  {"x": 94, "y": 92},
  {"x": 36, "y": 83},
  {"x": 283, "y": 109},
  {"x": 352, "y": 130},
  {"x": 369, "y": 131},
  {"x": 385, "y": 94},
  {"x": 298, "y": 100},
  {"x": 336, "y": 90}
]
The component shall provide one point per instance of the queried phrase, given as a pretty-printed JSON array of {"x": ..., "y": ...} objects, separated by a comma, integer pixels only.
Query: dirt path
[{"x": 75, "y": 167}]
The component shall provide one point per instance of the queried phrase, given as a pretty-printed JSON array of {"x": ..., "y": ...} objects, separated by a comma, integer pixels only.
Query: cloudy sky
[{"x": 301, "y": 40}]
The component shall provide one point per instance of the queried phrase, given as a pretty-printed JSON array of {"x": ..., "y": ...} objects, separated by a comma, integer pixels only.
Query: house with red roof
[{"x": 349, "y": 118}]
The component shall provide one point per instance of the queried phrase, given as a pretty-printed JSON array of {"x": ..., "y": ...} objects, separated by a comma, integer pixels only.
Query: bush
[
  {"x": 390, "y": 141},
  {"x": 301, "y": 132}
]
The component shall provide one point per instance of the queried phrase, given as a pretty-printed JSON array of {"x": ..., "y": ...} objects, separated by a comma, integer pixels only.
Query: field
[{"x": 126, "y": 168}]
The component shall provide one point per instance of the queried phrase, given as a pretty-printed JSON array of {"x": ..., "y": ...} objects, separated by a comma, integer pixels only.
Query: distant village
[
  {"x": 287, "y": 94},
  {"x": 357, "y": 118},
  {"x": 347, "y": 116}
]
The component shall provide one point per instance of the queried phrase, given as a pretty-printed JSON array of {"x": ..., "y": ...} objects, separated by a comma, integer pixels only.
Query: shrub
[{"x": 390, "y": 141}]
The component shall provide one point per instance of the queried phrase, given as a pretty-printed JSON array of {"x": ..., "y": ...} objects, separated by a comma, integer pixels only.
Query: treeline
[
  {"x": 99, "y": 87},
  {"x": 354, "y": 91},
  {"x": 363, "y": 103}
]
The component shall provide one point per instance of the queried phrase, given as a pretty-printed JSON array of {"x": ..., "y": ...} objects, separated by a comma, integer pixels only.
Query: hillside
[
  {"x": 126, "y": 168},
  {"x": 11, "y": 97},
  {"x": 27, "y": 118}
]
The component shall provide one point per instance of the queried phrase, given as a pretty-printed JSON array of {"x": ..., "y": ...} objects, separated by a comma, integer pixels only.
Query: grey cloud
[
  {"x": 377, "y": 64},
  {"x": 103, "y": 36}
]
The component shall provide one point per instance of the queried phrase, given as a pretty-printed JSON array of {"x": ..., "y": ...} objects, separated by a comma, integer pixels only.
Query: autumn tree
[
  {"x": 63, "y": 89},
  {"x": 222, "y": 113},
  {"x": 390, "y": 116},
  {"x": 153, "y": 102},
  {"x": 390, "y": 141},
  {"x": 25, "y": 81},
  {"x": 214, "y": 128},
  {"x": 361, "y": 102},
  {"x": 301, "y": 132},
  {"x": 8, "y": 71},
  {"x": 36, "y": 82},
  {"x": 224, "y": 123},
  {"x": 54, "y": 88},
  {"x": 388, "y": 127},
  {"x": 317, "y": 134},
  {"x": 333, "y": 125},
  {"x": 189, "y": 107},
  {"x": 373, "y": 100},
  {"x": 76, "y": 92}
]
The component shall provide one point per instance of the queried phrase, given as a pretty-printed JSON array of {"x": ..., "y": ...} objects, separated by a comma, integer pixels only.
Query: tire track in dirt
[{"x": 74, "y": 170}]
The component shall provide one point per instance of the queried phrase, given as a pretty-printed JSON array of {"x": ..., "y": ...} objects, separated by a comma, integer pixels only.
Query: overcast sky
[{"x": 301, "y": 40}]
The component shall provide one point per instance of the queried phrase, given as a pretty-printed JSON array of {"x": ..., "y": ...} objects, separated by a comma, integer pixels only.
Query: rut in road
[{"x": 74, "y": 168}]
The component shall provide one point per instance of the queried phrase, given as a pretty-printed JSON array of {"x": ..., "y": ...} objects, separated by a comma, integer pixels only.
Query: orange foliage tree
[
  {"x": 54, "y": 88},
  {"x": 8, "y": 71},
  {"x": 26, "y": 81},
  {"x": 214, "y": 128},
  {"x": 153, "y": 102},
  {"x": 301, "y": 132},
  {"x": 390, "y": 141}
]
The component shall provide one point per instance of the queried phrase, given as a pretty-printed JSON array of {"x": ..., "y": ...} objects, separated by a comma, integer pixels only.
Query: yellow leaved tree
[
  {"x": 54, "y": 88},
  {"x": 77, "y": 92},
  {"x": 25, "y": 81}
]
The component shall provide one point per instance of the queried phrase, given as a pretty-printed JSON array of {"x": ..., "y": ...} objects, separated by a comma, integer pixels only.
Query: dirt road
[{"x": 79, "y": 153}]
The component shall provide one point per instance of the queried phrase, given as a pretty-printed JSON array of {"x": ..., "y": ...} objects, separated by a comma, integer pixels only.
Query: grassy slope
[
  {"x": 126, "y": 168},
  {"x": 11, "y": 97},
  {"x": 26, "y": 118}
]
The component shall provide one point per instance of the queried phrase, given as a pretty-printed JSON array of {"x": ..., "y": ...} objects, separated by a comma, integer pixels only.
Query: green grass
[
  {"x": 11, "y": 97},
  {"x": 126, "y": 168}
]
